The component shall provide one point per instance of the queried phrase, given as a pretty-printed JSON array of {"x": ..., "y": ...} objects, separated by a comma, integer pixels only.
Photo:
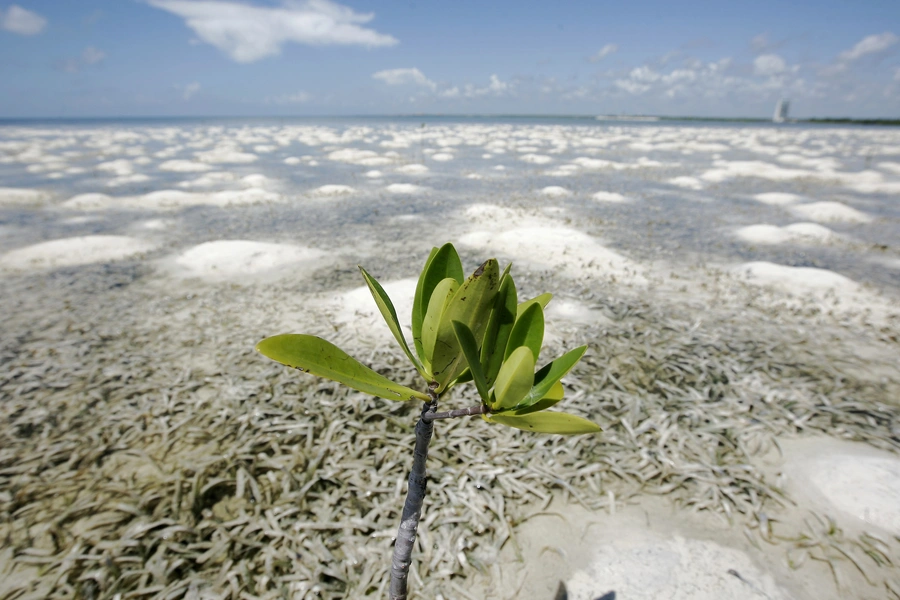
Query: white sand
[
  {"x": 374, "y": 174},
  {"x": 568, "y": 250},
  {"x": 555, "y": 191},
  {"x": 536, "y": 159},
  {"x": 691, "y": 183},
  {"x": 609, "y": 197},
  {"x": 355, "y": 309},
  {"x": 333, "y": 190},
  {"x": 74, "y": 251},
  {"x": 442, "y": 156},
  {"x": 292, "y": 160},
  {"x": 405, "y": 188},
  {"x": 239, "y": 260},
  {"x": 830, "y": 212},
  {"x": 856, "y": 479},
  {"x": 225, "y": 155},
  {"x": 640, "y": 554},
  {"x": 356, "y": 156},
  {"x": 184, "y": 166},
  {"x": 171, "y": 200},
  {"x": 799, "y": 280},
  {"x": 796, "y": 232},
  {"x": 777, "y": 198},
  {"x": 209, "y": 180},
  {"x": 412, "y": 169},
  {"x": 22, "y": 196}
]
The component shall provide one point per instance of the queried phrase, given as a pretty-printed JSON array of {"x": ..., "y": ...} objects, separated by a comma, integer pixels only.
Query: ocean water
[{"x": 737, "y": 286}]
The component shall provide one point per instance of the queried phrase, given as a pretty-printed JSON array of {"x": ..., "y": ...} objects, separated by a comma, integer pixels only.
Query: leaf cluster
[{"x": 465, "y": 329}]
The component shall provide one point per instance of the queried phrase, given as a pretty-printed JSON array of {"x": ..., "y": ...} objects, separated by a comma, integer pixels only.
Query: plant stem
[
  {"x": 481, "y": 409},
  {"x": 412, "y": 509}
]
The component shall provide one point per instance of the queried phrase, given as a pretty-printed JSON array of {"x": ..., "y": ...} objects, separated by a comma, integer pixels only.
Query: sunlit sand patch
[
  {"x": 184, "y": 166},
  {"x": 685, "y": 181},
  {"x": 74, "y": 251},
  {"x": 292, "y": 160},
  {"x": 128, "y": 180},
  {"x": 772, "y": 234},
  {"x": 796, "y": 280},
  {"x": 355, "y": 311},
  {"x": 536, "y": 159},
  {"x": 355, "y": 156},
  {"x": 154, "y": 225},
  {"x": 226, "y": 155},
  {"x": 22, "y": 196},
  {"x": 856, "y": 479},
  {"x": 374, "y": 174},
  {"x": 256, "y": 180},
  {"x": 412, "y": 169},
  {"x": 570, "y": 251},
  {"x": 890, "y": 167},
  {"x": 609, "y": 197},
  {"x": 778, "y": 198},
  {"x": 830, "y": 212},
  {"x": 120, "y": 167},
  {"x": 555, "y": 191},
  {"x": 171, "y": 200},
  {"x": 405, "y": 188},
  {"x": 474, "y": 176},
  {"x": 332, "y": 190},
  {"x": 209, "y": 180},
  {"x": 442, "y": 156},
  {"x": 241, "y": 260}
]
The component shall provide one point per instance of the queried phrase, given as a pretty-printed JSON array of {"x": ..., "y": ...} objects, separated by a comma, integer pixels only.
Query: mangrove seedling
[{"x": 464, "y": 330}]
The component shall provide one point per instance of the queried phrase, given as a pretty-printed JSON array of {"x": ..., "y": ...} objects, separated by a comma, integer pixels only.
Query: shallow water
[{"x": 130, "y": 387}]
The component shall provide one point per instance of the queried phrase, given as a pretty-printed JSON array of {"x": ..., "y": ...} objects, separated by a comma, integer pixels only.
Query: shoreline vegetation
[{"x": 661, "y": 119}]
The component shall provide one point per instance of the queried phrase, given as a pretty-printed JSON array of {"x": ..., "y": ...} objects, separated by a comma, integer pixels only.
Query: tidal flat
[{"x": 738, "y": 287}]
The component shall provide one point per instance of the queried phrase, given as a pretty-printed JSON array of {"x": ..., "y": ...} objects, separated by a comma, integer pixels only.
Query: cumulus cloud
[
  {"x": 604, "y": 52},
  {"x": 495, "y": 88},
  {"x": 769, "y": 64},
  {"x": 248, "y": 33},
  {"x": 24, "y": 22},
  {"x": 191, "y": 89},
  {"x": 403, "y": 77},
  {"x": 872, "y": 44}
]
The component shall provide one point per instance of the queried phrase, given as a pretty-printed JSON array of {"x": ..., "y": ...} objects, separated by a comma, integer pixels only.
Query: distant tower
[{"x": 781, "y": 111}]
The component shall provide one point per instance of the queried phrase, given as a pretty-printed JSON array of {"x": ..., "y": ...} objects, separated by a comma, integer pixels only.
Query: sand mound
[
  {"x": 555, "y": 191},
  {"x": 74, "y": 251},
  {"x": 777, "y": 198},
  {"x": 413, "y": 169},
  {"x": 772, "y": 234},
  {"x": 856, "y": 479},
  {"x": 184, "y": 166},
  {"x": 171, "y": 200},
  {"x": 22, "y": 196},
  {"x": 357, "y": 310},
  {"x": 333, "y": 190},
  {"x": 830, "y": 212},
  {"x": 691, "y": 183},
  {"x": 404, "y": 188},
  {"x": 609, "y": 197},
  {"x": 235, "y": 259},
  {"x": 795, "y": 279},
  {"x": 568, "y": 250}
]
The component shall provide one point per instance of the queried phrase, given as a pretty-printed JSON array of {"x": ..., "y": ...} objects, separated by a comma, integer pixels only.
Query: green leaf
[
  {"x": 514, "y": 379},
  {"x": 390, "y": 316},
  {"x": 470, "y": 350},
  {"x": 437, "y": 306},
  {"x": 470, "y": 305},
  {"x": 320, "y": 357},
  {"x": 543, "y": 300},
  {"x": 546, "y": 422},
  {"x": 441, "y": 264},
  {"x": 500, "y": 324},
  {"x": 553, "y": 396},
  {"x": 528, "y": 330},
  {"x": 550, "y": 374}
]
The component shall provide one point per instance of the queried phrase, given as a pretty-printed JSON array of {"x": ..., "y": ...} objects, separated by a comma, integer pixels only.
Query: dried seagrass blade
[
  {"x": 546, "y": 422},
  {"x": 442, "y": 263},
  {"x": 528, "y": 331},
  {"x": 321, "y": 357},
  {"x": 471, "y": 305},
  {"x": 470, "y": 351},
  {"x": 390, "y": 317},
  {"x": 514, "y": 380}
]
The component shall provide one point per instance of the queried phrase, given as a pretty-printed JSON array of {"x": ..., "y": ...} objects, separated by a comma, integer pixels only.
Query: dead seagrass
[{"x": 464, "y": 330}]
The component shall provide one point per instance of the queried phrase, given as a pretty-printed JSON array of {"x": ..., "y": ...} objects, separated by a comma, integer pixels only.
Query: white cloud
[
  {"x": 296, "y": 98},
  {"x": 869, "y": 45},
  {"x": 248, "y": 33},
  {"x": 495, "y": 88},
  {"x": 191, "y": 89},
  {"x": 21, "y": 21},
  {"x": 769, "y": 64},
  {"x": 604, "y": 52},
  {"x": 403, "y": 77},
  {"x": 91, "y": 56},
  {"x": 760, "y": 43}
]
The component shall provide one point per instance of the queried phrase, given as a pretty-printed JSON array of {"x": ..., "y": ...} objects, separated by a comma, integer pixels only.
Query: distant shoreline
[{"x": 889, "y": 122}]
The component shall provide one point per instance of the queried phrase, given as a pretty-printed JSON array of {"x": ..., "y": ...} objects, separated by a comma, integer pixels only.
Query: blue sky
[{"x": 65, "y": 58}]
